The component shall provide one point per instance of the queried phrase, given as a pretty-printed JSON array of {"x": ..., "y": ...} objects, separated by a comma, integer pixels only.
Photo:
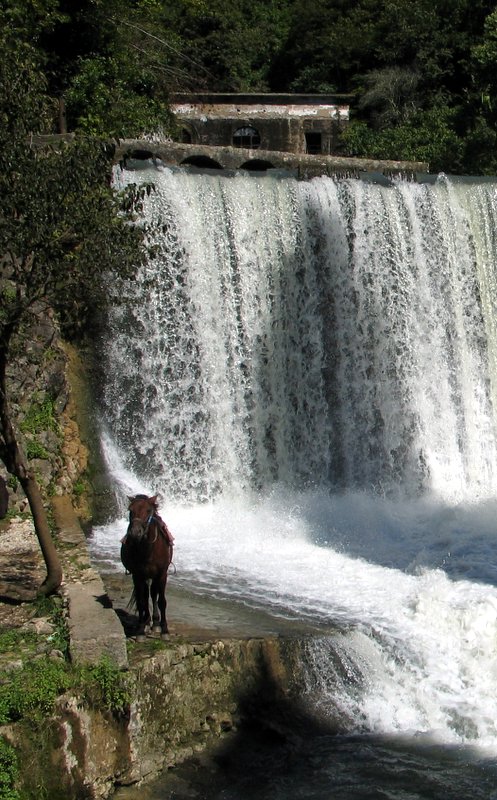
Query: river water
[{"x": 307, "y": 375}]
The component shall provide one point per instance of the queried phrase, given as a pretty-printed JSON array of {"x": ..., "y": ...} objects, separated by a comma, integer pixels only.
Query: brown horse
[{"x": 146, "y": 552}]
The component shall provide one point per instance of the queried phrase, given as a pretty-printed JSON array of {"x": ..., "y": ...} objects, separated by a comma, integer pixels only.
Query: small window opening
[
  {"x": 246, "y": 137},
  {"x": 186, "y": 137},
  {"x": 313, "y": 143}
]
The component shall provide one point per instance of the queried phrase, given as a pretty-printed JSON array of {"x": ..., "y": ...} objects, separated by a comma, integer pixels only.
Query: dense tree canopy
[
  {"x": 63, "y": 235},
  {"x": 423, "y": 74}
]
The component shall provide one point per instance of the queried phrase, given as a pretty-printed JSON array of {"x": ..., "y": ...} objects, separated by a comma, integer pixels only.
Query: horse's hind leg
[
  {"x": 154, "y": 593},
  {"x": 158, "y": 591},
  {"x": 142, "y": 604}
]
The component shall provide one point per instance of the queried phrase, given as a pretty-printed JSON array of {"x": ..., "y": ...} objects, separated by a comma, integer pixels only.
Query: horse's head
[{"x": 142, "y": 510}]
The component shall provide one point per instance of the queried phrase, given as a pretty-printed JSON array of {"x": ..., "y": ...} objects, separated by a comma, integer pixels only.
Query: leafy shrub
[
  {"x": 427, "y": 136},
  {"x": 40, "y": 416},
  {"x": 36, "y": 450},
  {"x": 30, "y": 693},
  {"x": 32, "y": 690},
  {"x": 9, "y": 770},
  {"x": 106, "y": 686},
  {"x": 51, "y": 607}
]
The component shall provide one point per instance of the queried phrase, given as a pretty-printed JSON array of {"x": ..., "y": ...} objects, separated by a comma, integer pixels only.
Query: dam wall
[{"x": 303, "y": 165}]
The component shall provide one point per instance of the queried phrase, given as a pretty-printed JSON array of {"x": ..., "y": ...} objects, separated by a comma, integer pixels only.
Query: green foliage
[
  {"x": 480, "y": 148},
  {"x": 101, "y": 104},
  {"x": 403, "y": 60},
  {"x": 13, "y": 638},
  {"x": 39, "y": 417},
  {"x": 12, "y": 482},
  {"x": 32, "y": 19},
  {"x": 150, "y": 647},
  {"x": 391, "y": 96},
  {"x": 426, "y": 136},
  {"x": 61, "y": 225},
  {"x": 485, "y": 52},
  {"x": 80, "y": 486},
  {"x": 9, "y": 771},
  {"x": 328, "y": 42},
  {"x": 106, "y": 686},
  {"x": 7, "y": 299},
  {"x": 36, "y": 450},
  {"x": 51, "y": 607},
  {"x": 64, "y": 236},
  {"x": 32, "y": 691},
  {"x": 116, "y": 63}
]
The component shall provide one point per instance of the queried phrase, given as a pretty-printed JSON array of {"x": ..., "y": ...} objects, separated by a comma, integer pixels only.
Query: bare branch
[{"x": 163, "y": 42}]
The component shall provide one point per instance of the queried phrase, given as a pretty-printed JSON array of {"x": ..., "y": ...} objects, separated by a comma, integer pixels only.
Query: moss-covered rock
[{"x": 182, "y": 699}]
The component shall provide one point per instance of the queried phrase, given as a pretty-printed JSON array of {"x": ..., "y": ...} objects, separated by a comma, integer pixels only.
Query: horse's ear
[
  {"x": 153, "y": 499},
  {"x": 130, "y": 499}
]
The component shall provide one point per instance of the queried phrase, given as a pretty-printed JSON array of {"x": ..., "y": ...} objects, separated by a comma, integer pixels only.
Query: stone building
[{"x": 289, "y": 123}]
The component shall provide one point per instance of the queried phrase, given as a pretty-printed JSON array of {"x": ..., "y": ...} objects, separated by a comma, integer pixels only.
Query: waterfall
[
  {"x": 325, "y": 334},
  {"x": 307, "y": 374}
]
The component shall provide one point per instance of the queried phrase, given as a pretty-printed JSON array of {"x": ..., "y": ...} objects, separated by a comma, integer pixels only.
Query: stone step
[{"x": 94, "y": 628}]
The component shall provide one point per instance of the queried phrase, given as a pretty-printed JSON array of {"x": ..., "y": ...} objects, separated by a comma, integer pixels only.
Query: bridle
[{"x": 135, "y": 521}]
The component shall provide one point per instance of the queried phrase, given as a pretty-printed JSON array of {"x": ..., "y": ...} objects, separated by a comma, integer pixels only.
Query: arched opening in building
[
  {"x": 185, "y": 136},
  {"x": 204, "y": 162},
  {"x": 257, "y": 165},
  {"x": 246, "y": 137}
]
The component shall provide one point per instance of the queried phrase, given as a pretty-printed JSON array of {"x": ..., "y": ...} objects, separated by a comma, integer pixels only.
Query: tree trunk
[
  {"x": 50, "y": 555},
  {"x": 16, "y": 463}
]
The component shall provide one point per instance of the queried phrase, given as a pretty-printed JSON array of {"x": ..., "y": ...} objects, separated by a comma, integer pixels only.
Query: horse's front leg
[
  {"x": 158, "y": 591},
  {"x": 155, "y": 609},
  {"x": 142, "y": 605}
]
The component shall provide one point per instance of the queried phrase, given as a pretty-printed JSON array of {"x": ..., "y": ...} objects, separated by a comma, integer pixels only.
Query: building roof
[{"x": 234, "y": 105}]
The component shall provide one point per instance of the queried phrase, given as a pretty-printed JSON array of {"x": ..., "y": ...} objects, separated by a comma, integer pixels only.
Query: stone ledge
[{"x": 94, "y": 628}]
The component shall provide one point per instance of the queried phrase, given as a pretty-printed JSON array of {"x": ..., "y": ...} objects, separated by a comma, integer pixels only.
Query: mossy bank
[{"x": 178, "y": 701}]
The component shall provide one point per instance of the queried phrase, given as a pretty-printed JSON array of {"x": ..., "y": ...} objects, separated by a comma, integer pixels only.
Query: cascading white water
[
  {"x": 307, "y": 372},
  {"x": 323, "y": 334}
]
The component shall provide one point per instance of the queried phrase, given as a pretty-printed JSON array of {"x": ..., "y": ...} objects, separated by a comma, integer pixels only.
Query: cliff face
[
  {"x": 46, "y": 391},
  {"x": 184, "y": 698}
]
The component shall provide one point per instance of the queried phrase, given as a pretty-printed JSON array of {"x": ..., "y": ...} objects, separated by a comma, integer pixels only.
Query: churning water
[{"x": 307, "y": 373}]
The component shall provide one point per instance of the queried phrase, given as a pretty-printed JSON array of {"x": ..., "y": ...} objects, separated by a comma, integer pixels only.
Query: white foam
[
  {"x": 425, "y": 643},
  {"x": 341, "y": 336}
]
